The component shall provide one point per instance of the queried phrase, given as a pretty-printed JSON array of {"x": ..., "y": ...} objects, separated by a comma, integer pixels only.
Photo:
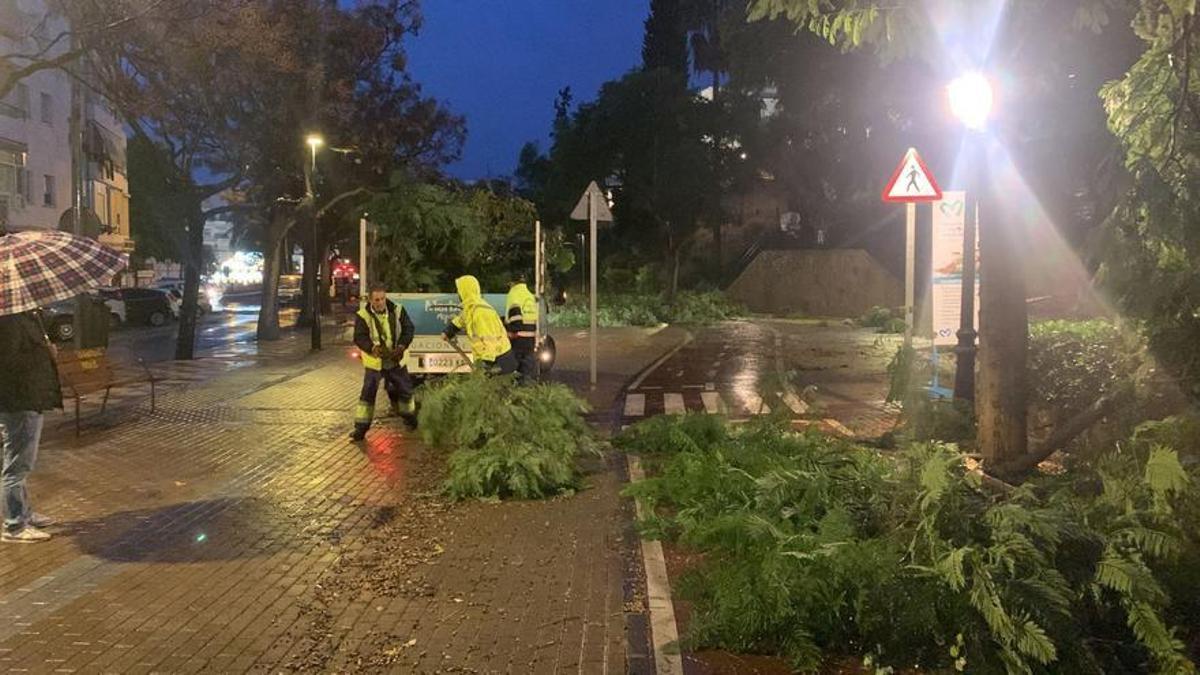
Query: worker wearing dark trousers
[
  {"x": 521, "y": 317},
  {"x": 382, "y": 333}
]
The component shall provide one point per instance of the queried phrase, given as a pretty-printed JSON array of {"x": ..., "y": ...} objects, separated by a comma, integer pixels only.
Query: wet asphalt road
[
  {"x": 810, "y": 372},
  {"x": 228, "y": 331}
]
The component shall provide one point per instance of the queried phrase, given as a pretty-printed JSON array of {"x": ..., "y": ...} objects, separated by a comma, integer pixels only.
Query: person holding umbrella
[{"x": 36, "y": 269}]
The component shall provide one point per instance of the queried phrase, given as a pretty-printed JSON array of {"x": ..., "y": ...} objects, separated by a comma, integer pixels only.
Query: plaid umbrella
[{"x": 40, "y": 267}]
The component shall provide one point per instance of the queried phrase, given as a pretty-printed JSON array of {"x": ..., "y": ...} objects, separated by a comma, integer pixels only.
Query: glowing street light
[
  {"x": 971, "y": 99},
  {"x": 314, "y": 141}
]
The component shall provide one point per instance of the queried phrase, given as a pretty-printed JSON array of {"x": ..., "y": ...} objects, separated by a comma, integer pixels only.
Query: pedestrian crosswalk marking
[
  {"x": 839, "y": 427},
  {"x": 712, "y": 402},
  {"x": 635, "y": 405},
  {"x": 756, "y": 406},
  {"x": 799, "y": 407},
  {"x": 673, "y": 404}
]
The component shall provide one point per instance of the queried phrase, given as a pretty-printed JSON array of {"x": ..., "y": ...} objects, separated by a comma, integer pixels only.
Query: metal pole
[
  {"x": 315, "y": 339},
  {"x": 76, "y": 123},
  {"x": 595, "y": 326},
  {"x": 537, "y": 276},
  {"x": 964, "y": 372},
  {"x": 910, "y": 254},
  {"x": 362, "y": 259}
]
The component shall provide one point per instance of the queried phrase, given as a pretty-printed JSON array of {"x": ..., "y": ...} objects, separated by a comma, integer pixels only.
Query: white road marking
[
  {"x": 839, "y": 427},
  {"x": 756, "y": 406},
  {"x": 663, "y": 359},
  {"x": 712, "y": 402},
  {"x": 793, "y": 401},
  {"x": 635, "y": 405},
  {"x": 673, "y": 404}
]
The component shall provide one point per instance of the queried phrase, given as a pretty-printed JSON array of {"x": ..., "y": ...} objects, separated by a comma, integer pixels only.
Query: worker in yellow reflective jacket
[
  {"x": 481, "y": 323},
  {"x": 382, "y": 332},
  {"x": 521, "y": 315}
]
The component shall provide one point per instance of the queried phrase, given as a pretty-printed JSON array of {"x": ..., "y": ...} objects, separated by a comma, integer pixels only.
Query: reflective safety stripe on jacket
[
  {"x": 375, "y": 322},
  {"x": 521, "y": 312},
  {"x": 489, "y": 339}
]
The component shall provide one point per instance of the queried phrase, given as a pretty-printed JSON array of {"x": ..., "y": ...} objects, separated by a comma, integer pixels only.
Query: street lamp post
[
  {"x": 314, "y": 141},
  {"x": 1003, "y": 323},
  {"x": 970, "y": 99}
]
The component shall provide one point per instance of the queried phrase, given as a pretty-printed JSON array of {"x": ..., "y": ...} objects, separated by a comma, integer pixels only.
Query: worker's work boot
[
  {"x": 410, "y": 421},
  {"x": 358, "y": 434},
  {"x": 393, "y": 410}
]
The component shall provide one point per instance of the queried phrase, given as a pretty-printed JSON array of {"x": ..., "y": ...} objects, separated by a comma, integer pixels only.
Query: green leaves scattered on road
[
  {"x": 817, "y": 549},
  {"x": 648, "y": 310},
  {"x": 505, "y": 441}
]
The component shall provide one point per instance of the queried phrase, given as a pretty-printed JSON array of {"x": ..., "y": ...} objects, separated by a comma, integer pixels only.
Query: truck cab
[{"x": 430, "y": 355}]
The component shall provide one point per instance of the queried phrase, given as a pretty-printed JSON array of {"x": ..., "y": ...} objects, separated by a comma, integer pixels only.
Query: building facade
[{"x": 36, "y": 168}]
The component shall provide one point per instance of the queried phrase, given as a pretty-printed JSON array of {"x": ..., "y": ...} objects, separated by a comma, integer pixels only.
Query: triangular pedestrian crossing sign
[{"x": 912, "y": 181}]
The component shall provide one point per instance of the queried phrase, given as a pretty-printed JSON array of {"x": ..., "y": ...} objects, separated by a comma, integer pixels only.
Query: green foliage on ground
[
  {"x": 647, "y": 310},
  {"x": 815, "y": 548},
  {"x": 505, "y": 441},
  {"x": 883, "y": 320}
]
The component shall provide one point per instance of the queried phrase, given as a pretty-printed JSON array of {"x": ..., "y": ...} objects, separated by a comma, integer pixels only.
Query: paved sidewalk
[{"x": 235, "y": 529}]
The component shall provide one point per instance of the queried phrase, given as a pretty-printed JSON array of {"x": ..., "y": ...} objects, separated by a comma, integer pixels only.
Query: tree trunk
[
  {"x": 1003, "y": 335},
  {"x": 289, "y": 265},
  {"x": 674, "y": 290},
  {"x": 185, "y": 343},
  {"x": 268, "y": 311},
  {"x": 307, "y": 287}
]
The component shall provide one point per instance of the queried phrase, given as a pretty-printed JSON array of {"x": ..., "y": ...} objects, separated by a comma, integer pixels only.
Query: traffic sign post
[
  {"x": 912, "y": 183},
  {"x": 593, "y": 207}
]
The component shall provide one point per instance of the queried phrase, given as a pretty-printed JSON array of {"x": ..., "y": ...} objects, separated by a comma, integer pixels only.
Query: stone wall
[{"x": 824, "y": 282}]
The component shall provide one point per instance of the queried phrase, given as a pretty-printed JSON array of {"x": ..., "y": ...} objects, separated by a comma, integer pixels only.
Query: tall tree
[
  {"x": 374, "y": 120},
  {"x": 195, "y": 107},
  {"x": 1151, "y": 249},
  {"x": 664, "y": 44}
]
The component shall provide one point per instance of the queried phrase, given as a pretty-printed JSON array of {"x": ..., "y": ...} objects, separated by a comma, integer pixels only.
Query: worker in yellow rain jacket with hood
[
  {"x": 521, "y": 315},
  {"x": 382, "y": 332},
  {"x": 481, "y": 322}
]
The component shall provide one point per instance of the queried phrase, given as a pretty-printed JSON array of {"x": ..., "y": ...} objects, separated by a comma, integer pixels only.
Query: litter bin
[{"x": 91, "y": 322}]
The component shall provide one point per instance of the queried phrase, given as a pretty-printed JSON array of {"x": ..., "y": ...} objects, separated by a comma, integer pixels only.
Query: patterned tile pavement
[{"x": 235, "y": 529}]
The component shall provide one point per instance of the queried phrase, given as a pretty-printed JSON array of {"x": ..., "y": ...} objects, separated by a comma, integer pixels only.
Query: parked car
[
  {"x": 60, "y": 318},
  {"x": 289, "y": 290},
  {"x": 142, "y": 305},
  {"x": 174, "y": 288}
]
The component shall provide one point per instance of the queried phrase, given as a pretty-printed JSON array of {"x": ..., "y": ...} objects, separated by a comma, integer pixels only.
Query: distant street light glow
[
  {"x": 315, "y": 141},
  {"x": 971, "y": 100}
]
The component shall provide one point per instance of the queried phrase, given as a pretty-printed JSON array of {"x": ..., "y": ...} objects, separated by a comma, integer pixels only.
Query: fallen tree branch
[{"x": 1064, "y": 434}]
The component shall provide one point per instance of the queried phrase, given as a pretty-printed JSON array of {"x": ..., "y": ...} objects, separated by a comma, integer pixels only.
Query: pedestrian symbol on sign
[{"x": 913, "y": 187}]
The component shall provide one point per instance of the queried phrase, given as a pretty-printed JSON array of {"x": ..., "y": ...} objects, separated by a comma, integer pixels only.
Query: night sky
[{"x": 501, "y": 63}]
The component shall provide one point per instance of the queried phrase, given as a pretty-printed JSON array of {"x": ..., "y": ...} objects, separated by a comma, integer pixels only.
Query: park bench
[{"x": 83, "y": 372}]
